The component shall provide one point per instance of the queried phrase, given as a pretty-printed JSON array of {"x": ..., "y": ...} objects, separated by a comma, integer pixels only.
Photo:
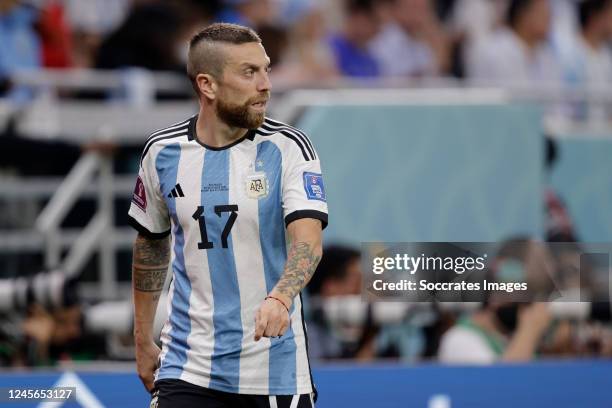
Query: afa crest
[{"x": 257, "y": 186}]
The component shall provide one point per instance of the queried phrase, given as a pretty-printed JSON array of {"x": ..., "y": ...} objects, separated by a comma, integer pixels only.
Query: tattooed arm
[
  {"x": 304, "y": 255},
  {"x": 149, "y": 267}
]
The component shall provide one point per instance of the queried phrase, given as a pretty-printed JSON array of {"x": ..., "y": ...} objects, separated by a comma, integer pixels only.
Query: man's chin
[{"x": 256, "y": 119}]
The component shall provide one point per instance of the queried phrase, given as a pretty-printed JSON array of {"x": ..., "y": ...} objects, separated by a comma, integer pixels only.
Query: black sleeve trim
[
  {"x": 296, "y": 215},
  {"x": 142, "y": 230}
]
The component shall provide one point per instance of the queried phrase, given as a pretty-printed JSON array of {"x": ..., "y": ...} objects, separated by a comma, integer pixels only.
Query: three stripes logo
[{"x": 177, "y": 191}]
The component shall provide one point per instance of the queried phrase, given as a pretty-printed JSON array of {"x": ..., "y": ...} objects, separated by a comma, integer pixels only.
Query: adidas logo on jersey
[{"x": 177, "y": 191}]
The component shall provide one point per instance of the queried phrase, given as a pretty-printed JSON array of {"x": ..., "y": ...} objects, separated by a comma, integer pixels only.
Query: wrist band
[{"x": 278, "y": 300}]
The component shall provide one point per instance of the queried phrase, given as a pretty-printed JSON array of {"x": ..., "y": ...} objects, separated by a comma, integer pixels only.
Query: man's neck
[{"x": 212, "y": 131}]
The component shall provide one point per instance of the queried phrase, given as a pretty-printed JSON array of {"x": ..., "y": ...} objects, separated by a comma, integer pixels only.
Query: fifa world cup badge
[{"x": 257, "y": 185}]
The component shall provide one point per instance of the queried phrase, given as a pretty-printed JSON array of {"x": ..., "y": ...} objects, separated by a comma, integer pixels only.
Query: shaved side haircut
[{"x": 206, "y": 56}]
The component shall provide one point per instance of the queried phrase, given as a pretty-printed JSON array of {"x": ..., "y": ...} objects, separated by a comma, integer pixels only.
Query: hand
[
  {"x": 147, "y": 356},
  {"x": 271, "y": 320},
  {"x": 535, "y": 317},
  {"x": 39, "y": 326}
]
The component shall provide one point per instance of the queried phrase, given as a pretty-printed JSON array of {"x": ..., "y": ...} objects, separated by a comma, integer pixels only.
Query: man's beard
[{"x": 239, "y": 116}]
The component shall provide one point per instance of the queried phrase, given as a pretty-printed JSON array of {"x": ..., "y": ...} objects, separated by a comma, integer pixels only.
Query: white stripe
[
  {"x": 183, "y": 129},
  {"x": 177, "y": 125},
  {"x": 312, "y": 400},
  {"x": 254, "y": 357},
  {"x": 297, "y": 140},
  {"x": 151, "y": 141},
  {"x": 164, "y": 336},
  {"x": 295, "y": 131},
  {"x": 273, "y": 401},
  {"x": 294, "y": 401},
  {"x": 302, "y": 368},
  {"x": 296, "y": 134},
  {"x": 277, "y": 123},
  {"x": 201, "y": 338}
]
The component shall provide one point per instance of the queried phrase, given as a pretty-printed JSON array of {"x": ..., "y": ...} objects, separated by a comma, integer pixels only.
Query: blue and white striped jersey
[{"x": 227, "y": 209}]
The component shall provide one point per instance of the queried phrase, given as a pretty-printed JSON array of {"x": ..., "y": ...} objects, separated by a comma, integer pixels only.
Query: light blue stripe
[
  {"x": 176, "y": 357},
  {"x": 282, "y": 366},
  {"x": 225, "y": 365}
]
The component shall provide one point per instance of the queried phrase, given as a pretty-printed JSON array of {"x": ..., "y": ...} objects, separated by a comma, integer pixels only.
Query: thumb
[{"x": 261, "y": 322}]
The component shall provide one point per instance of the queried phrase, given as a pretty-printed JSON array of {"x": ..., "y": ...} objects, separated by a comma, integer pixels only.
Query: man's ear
[{"x": 207, "y": 85}]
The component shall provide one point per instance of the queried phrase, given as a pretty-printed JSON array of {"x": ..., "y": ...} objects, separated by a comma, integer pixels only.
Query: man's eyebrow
[{"x": 254, "y": 66}]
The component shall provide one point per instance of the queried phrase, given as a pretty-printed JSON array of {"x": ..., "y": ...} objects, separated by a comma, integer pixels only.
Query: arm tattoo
[
  {"x": 150, "y": 263},
  {"x": 301, "y": 264}
]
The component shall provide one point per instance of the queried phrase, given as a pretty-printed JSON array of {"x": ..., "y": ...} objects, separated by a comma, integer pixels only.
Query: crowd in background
[
  {"x": 313, "y": 41},
  {"x": 500, "y": 328}
]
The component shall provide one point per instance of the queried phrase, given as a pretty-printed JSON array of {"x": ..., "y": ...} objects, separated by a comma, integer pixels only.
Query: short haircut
[
  {"x": 205, "y": 57},
  {"x": 333, "y": 266},
  {"x": 515, "y": 10},
  {"x": 587, "y": 9}
]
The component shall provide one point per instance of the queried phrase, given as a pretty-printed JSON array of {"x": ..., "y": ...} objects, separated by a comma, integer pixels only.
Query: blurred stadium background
[{"x": 435, "y": 120}]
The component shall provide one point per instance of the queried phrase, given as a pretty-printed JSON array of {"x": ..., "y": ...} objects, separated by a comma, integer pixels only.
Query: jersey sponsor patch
[
  {"x": 140, "y": 196},
  {"x": 313, "y": 183}
]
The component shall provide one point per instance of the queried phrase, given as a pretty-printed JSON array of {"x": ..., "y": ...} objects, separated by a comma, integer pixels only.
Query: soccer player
[{"x": 227, "y": 185}]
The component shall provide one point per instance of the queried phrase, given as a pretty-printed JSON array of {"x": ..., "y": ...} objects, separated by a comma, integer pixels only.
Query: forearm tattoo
[
  {"x": 150, "y": 263},
  {"x": 301, "y": 264}
]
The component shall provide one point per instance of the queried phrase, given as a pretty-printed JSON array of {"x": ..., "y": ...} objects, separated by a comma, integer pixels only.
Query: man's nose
[{"x": 264, "y": 84}]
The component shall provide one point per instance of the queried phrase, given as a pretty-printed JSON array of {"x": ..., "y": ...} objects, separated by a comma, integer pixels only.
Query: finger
[
  {"x": 280, "y": 323},
  {"x": 147, "y": 381},
  {"x": 272, "y": 329},
  {"x": 260, "y": 326},
  {"x": 149, "y": 385},
  {"x": 284, "y": 328}
]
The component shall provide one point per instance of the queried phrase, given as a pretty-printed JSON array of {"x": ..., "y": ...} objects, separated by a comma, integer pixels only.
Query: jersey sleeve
[
  {"x": 148, "y": 211},
  {"x": 304, "y": 194}
]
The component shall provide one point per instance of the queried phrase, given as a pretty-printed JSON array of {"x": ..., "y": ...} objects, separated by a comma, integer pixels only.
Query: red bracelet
[{"x": 278, "y": 300}]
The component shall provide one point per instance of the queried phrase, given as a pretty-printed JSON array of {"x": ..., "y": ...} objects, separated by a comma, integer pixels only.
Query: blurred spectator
[
  {"x": 251, "y": 13},
  {"x": 564, "y": 26},
  {"x": 44, "y": 335},
  {"x": 471, "y": 22},
  {"x": 309, "y": 58},
  {"x": 96, "y": 16},
  {"x": 476, "y": 19},
  {"x": 350, "y": 47},
  {"x": 55, "y": 330},
  {"x": 275, "y": 40},
  {"x": 148, "y": 39},
  {"x": 504, "y": 329},
  {"x": 20, "y": 46},
  {"x": 414, "y": 43},
  {"x": 55, "y": 36},
  {"x": 589, "y": 65},
  {"x": 90, "y": 21},
  {"x": 338, "y": 327},
  {"x": 518, "y": 53},
  {"x": 559, "y": 225}
]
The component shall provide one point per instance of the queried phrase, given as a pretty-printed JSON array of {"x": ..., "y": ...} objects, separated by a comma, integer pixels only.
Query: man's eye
[
  {"x": 268, "y": 69},
  {"x": 249, "y": 72}
]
